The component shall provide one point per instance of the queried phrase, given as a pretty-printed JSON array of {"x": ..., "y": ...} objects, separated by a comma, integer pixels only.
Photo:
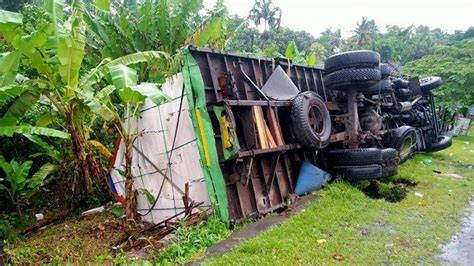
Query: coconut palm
[{"x": 366, "y": 32}]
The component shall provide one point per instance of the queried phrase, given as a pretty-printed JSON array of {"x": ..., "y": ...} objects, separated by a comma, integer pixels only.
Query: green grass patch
[
  {"x": 190, "y": 242},
  {"x": 349, "y": 225}
]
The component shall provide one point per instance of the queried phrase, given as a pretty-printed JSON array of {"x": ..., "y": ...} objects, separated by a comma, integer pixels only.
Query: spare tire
[
  {"x": 385, "y": 71},
  {"x": 352, "y": 78},
  {"x": 429, "y": 83},
  {"x": 352, "y": 59},
  {"x": 360, "y": 156},
  {"x": 360, "y": 172},
  {"x": 383, "y": 86},
  {"x": 403, "y": 139},
  {"x": 440, "y": 143},
  {"x": 310, "y": 120}
]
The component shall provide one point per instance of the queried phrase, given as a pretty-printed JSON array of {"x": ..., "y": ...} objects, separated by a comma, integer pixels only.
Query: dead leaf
[
  {"x": 338, "y": 257},
  {"x": 101, "y": 227}
]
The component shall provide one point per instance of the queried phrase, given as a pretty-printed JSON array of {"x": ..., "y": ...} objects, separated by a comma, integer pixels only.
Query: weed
[
  {"x": 189, "y": 241},
  {"x": 117, "y": 212}
]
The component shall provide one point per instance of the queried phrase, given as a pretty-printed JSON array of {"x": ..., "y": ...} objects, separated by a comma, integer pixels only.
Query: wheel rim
[
  {"x": 316, "y": 119},
  {"x": 407, "y": 147}
]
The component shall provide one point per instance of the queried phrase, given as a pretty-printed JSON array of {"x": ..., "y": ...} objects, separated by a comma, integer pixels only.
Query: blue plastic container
[{"x": 310, "y": 178}]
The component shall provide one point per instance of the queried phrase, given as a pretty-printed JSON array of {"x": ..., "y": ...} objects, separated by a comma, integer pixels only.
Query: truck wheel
[
  {"x": 389, "y": 154},
  {"x": 429, "y": 83},
  {"x": 389, "y": 162},
  {"x": 385, "y": 71},
  {"x": 352, "y": 59},
  {"x": 311, "y": 122},
  {"x": 383, "y": 86},
  {"x": 361, "y": 156},
  {"x": 350, "y": 78},
  {"x": 389, "y": 170},
  {"x": 441, "y": 143},
  {"x": 404, "y": 141},
  {"x": 361, "y": 172}
]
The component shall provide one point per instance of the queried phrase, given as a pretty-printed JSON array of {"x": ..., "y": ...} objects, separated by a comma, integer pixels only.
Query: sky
[{"x": 314, "y": 16}]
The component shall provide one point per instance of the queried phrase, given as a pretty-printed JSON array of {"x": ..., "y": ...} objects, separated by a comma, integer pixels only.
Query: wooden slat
[
  {"x": 275, "y": 126},
  {"x": 260, "y": 123}
]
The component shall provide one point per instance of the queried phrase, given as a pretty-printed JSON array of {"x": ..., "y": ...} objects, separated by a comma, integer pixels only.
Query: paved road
[{"x": 460, "y": 250}]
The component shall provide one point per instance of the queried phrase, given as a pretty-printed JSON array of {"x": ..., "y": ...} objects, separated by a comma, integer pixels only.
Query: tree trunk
[
  {"x": 17, "y": 205},
  {"x": 86, "y": 167},
  {"x": 130, "y": 193}
]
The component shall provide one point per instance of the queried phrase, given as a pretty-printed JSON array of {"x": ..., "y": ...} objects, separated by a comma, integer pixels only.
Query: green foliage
[
  {"x": 13, "y": 5},
  {"x": 154, "y": 25},
  {"x": 9, "y": 223},
  {"x": 17, "y": 184},
  {"x": 190, "y": 240},
  {"x": 291, "y": 51},
  {"x": 455, "y": 64}
]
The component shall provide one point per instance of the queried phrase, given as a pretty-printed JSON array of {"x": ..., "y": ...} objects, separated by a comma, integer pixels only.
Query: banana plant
[
  {"x": 19, "y": 184},
  {"x": 292, "y": 53},
  {"x": 120, "y": 28},
  {"x": 56, "y": 50}
]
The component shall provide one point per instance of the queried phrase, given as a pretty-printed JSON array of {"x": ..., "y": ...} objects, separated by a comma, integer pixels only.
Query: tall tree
[
  {"x": 366, "y": 32},
  {"x": 331, "y": 40},
  {"x": 270, "y": 14}
]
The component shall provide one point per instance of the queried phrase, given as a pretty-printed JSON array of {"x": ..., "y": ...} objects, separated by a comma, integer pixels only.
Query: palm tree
[
  {"x": 270, "y": 14},
  {"x": 366, "y": 32}
]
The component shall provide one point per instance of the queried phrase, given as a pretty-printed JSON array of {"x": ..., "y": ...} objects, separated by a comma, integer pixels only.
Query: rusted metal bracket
[{"x": 249, "y": 171}]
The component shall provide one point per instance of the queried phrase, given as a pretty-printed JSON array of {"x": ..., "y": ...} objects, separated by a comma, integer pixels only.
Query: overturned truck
[{"x": 239, "y": 128}]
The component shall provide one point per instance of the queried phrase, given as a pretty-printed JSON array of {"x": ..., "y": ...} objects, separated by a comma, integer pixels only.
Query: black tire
[
  {"x": 311, "y": 122},
  {"x": 361, "y": 172},
  {"x": 389, "y": 170},
  {"x": 382, "y": 87},
  {"x": 354, "y": 156},
  {"x": 401, "y": 83},
  {"x": 352, "y": 59},
  {"x": 429, "y": 83},
  {"x": 403, "y": 139},
  {"x": 441, "y": 143},
  {"x": 352, "y": 78},
  {"x": 389, "y": 154},
  {"x": 385, "y": 71},
  {"x": 389, "y": 162}
]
